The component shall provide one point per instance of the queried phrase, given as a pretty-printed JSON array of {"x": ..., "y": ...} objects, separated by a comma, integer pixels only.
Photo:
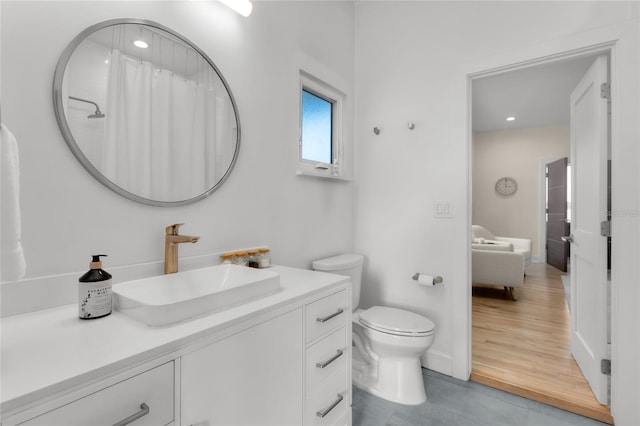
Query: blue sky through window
[{"x": 316, "y": 128}]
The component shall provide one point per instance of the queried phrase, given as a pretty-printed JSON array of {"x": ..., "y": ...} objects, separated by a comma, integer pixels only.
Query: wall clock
[{"x": 506, "y": 186}]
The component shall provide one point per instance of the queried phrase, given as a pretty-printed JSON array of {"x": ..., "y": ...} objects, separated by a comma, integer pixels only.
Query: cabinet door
[{"x": 251, "y": 378}]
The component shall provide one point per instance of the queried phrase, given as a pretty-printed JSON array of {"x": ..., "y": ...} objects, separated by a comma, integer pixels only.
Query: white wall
[
  {"x": 412, "y": 63},
  {"x": 67, "y": 215},
  {"x": 514, "y": 153}
]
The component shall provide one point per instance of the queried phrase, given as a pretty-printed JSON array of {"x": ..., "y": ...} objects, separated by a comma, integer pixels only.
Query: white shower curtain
[{"x": 161, "y": 139}]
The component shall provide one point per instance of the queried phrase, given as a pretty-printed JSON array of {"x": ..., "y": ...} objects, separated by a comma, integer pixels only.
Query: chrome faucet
[{"x": 171, "y": 241}]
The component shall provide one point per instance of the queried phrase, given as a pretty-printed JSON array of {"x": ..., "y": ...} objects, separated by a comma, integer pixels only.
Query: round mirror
[{"x": 146, "y": 112}]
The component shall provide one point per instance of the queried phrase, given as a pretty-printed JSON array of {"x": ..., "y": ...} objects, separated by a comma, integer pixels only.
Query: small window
[
  {"x": 317, "y": 128},
  {"x": 320, "y": 128}
]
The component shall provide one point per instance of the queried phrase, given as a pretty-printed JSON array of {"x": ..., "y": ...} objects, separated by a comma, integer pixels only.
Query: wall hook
[
  {"x": 376, "y": 130},
  {"x": 410, "y": 125}
]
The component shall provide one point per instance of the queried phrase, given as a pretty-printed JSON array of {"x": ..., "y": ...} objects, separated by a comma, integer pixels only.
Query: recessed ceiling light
[
  {"x": 511, "y": 118},
  {"x": 141, "y": 44}
]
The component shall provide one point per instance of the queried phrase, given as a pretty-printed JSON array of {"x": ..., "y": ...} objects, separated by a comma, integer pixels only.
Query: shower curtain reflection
[{"x": 164, "y": 138}]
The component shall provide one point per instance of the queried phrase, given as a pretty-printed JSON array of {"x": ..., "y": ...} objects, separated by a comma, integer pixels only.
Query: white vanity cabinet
[
  {"x": 281, "y": 360},
  {"x": 146, "y": 399},
  {"x": 289, "y": 370}
]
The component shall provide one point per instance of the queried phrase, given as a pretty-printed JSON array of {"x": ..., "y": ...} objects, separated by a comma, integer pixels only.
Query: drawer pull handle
[
  {"x": 327, "y": 410},
  {"x": 144, "y": 410},
  {"x": 329, "y": 361},
  {"x": 335, "y": 314}
]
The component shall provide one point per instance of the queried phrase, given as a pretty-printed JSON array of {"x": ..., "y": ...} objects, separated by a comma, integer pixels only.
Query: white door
[{"x": 589, "y": 140}]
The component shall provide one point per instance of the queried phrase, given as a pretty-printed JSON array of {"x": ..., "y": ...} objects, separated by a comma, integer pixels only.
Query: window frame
[{"x": 323, "y": 90}]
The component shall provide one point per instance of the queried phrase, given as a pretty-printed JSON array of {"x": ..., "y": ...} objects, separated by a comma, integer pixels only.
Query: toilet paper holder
[{"x": 437, "y": 279}]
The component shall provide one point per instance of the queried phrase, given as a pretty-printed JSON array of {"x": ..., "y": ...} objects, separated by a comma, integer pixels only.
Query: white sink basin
[{"x": 168, "y": 299}]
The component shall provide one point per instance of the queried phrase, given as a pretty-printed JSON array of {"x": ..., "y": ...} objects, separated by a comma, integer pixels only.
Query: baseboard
[{"x": 437, "y": 361}]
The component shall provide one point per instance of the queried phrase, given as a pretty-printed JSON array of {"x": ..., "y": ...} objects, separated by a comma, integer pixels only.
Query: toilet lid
[
  {"x": 396, "y": 321},
  {"x": 337, "y": 263}
]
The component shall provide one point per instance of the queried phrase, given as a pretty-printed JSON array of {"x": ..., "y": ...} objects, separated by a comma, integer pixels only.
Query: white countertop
[{"x": 49, "y": 351}]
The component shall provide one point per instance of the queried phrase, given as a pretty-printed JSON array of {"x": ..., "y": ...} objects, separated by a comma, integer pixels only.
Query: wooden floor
[{"x": 523, "y": 347}]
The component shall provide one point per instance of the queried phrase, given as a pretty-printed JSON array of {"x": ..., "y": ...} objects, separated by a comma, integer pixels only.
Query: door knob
[{"x": 567, "y": 238}]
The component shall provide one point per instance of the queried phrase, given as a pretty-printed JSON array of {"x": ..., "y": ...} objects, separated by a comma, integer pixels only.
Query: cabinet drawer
[
  {"x": 108, "y": 406},
  {"x": 329, "y": 399},
  {"x": 325, "y": 358},
  {"x": 325, "y": 315}
]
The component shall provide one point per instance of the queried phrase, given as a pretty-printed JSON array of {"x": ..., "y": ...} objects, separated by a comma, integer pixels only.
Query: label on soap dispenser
[{"x": 94, "y": 299}]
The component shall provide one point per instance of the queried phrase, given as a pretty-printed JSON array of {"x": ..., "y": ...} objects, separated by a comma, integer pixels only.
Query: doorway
[{"x": 541, "y": 278}]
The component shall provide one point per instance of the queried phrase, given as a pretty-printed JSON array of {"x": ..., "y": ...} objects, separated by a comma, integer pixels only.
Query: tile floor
[{"x": 453, "y": 402}]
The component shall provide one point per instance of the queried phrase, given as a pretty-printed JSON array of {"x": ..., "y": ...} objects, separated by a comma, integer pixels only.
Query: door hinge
[
  {"x": 605, "y": 367},
  {"x": 605, "y": 91},
  {"x": 605, "y": 228}
]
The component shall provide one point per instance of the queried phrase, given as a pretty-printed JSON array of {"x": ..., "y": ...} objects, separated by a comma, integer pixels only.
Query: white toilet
[{"x": 388, "y": 341}]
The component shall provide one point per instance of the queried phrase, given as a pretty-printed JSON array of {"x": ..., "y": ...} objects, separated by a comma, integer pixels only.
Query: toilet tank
[{"x": 344, "y": 264}]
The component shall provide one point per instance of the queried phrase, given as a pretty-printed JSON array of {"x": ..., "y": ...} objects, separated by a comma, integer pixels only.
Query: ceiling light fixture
[
  {"x": 511, "y": 118},
  {"x": 141, "y": 44},
  {"x": 243, "y": 7}
]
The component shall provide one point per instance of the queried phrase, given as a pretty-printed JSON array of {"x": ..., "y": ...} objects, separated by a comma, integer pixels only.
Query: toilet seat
[{"x": 396, "y": 321}]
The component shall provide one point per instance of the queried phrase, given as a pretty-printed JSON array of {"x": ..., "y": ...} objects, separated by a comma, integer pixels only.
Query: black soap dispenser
[{"x": 94, "y": 291}]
